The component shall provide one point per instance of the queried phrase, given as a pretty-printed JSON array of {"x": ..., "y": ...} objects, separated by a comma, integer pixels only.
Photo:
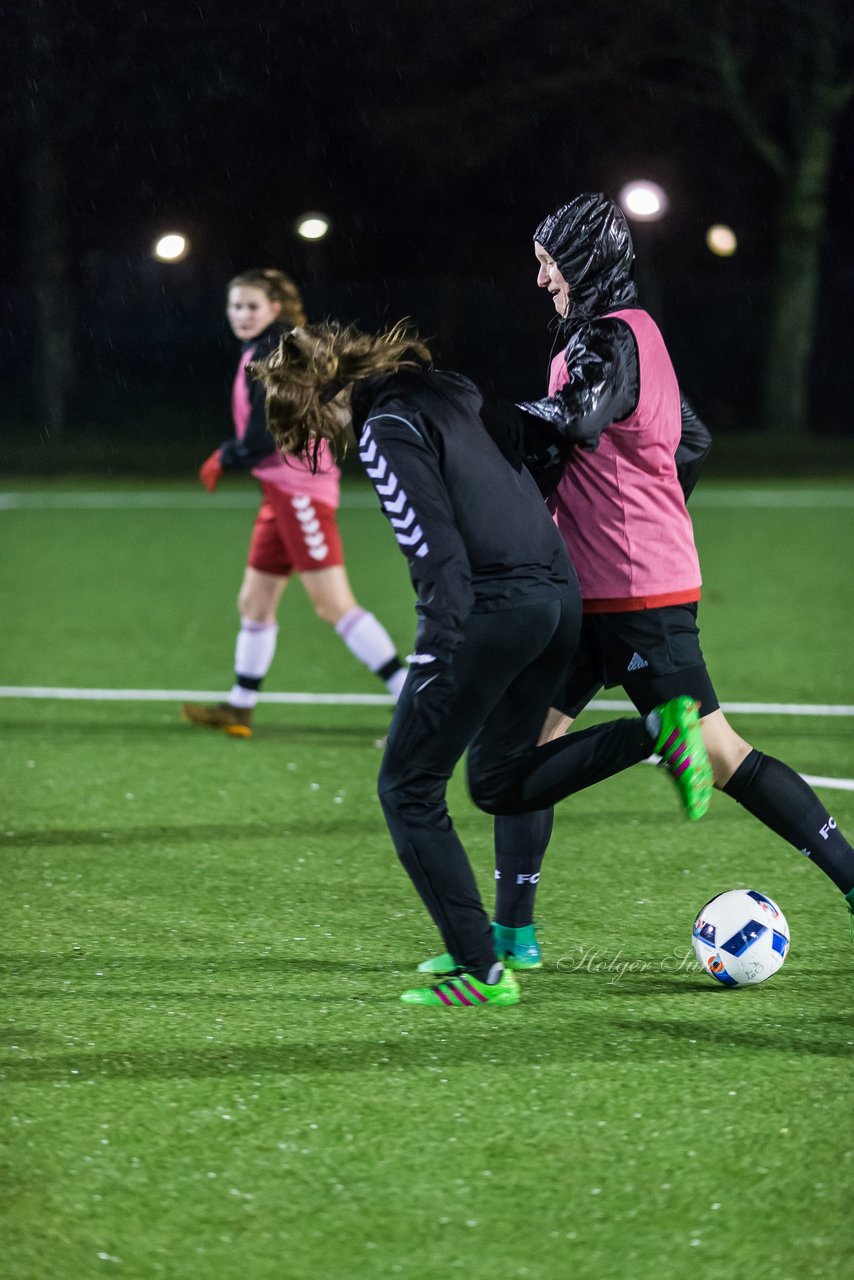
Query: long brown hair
[
  {"x": 315, "y": 364},
  {"x": 277, "y": 287}
]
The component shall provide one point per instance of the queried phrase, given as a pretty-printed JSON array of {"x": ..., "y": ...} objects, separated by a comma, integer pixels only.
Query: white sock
[
  {"x": 369, "y": 641},
  {"x": 253, "y": 654},
  {"x": 244, "y": 698}
]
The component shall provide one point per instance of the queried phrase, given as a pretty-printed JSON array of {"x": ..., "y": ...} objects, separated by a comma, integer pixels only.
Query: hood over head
[{"x": 590, "y": 241}]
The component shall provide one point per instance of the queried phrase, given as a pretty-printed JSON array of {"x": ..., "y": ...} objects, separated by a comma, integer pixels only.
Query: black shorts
[{"x": 654, "y": 654}]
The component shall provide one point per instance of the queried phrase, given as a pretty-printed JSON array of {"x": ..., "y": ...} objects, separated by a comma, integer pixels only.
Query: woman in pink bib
[
  {"x": 628, "y": 448},
  {"x": 296, "y": 529}
]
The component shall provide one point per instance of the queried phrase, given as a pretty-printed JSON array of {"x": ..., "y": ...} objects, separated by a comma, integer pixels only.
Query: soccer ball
[{"x": 740, "y": 937}]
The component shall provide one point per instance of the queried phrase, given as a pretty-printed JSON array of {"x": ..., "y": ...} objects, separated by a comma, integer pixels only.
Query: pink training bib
[
  {"x": 621, "y": 509},
  {"x": 291, "y": 475}
]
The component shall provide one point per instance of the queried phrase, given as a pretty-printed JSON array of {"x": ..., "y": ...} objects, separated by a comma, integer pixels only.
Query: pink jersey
[
  {"x": 292, "y": 475},
  {"x": 621, "y": 509}
]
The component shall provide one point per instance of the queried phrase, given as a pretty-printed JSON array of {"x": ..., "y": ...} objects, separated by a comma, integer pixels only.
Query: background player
[{"x": 296, "y": 529}]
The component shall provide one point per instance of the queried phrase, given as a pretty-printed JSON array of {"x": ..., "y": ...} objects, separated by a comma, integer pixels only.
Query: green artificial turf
[{"x": 206, "y": 1073}]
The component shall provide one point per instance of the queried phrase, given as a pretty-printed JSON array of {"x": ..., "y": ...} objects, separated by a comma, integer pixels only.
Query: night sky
[{"x": 434, "y": 135}]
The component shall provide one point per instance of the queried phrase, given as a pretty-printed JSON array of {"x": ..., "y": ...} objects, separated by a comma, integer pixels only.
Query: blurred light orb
[
  {"x": 643, "y": 201},
  {"x": 172, "y": 247},
  {"x": 312, "y": 226},
  {"x": 721, "y": 240}
]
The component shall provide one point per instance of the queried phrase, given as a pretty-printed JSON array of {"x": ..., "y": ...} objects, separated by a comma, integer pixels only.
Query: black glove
[{"x": 432, "y": 683}]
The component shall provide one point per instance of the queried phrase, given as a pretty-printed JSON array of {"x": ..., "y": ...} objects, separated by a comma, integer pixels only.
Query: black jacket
[
  {"x": 257, "y": 444},
  {"x": 472, "y": 525}
]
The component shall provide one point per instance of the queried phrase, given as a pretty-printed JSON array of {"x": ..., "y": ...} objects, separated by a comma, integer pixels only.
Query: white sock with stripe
[
  {"x": 253, "y": 655},
  {"x": 369, "y": 641}
]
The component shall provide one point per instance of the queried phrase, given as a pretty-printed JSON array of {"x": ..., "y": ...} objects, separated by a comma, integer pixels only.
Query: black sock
[
  {"x": 387, "y": 670},
  {"x": 249, "y": 682},
  {"x": 780, "y": 798},
  {"x": 521, "y": 841}
]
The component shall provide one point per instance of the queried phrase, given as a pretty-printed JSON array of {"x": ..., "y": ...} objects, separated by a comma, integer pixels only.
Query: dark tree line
[
  {"x": 774, "y": 76},
  {"x": 471, "y": 102}
]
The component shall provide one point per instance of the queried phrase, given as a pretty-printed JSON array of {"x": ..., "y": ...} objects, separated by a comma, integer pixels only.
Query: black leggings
[{"x": 506, "y": 674}]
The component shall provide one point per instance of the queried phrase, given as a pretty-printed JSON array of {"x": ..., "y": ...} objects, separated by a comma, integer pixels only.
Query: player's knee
[
  {"x": 491, "y": 794},
  {"x": 416, "y": 798},
  {"x": 387, "y": 791},
  {"x": 253, "y": 608}
]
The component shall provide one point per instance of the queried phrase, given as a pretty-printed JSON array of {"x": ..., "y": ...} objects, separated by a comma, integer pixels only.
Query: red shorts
[{"x": 294, "y": 534}]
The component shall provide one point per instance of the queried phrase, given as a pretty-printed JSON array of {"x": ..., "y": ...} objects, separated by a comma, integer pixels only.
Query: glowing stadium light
[
  {"x": 312, "y": 226},
  {"x": 721, "y": 240},
  {"x": 171, "y": 247},
  {"x": 643, "y": 201}
]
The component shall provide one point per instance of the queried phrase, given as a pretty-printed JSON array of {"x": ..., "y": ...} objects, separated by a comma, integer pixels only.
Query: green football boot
[
  {"x": 680, "y": 745},
  {"x": 466, "y": 992},
  {"x": 518, "y": 948}
]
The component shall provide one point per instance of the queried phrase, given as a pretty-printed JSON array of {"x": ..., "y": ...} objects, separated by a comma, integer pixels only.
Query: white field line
[
  {"x": 814, "y": 779},
  {"x": 833, "y": 784},
  {"x": 384, "y": 699},
  {"x": 375, "y": 700},
  {"x": 783, "y": 498},
  {"x": 751, "y": 708},
  {"x": 152, "y": 500},
  {"x": 194, "y": 695},
  {"x": 164, "y": 500}
]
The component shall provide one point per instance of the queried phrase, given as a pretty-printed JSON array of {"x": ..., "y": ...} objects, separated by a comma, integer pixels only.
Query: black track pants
[{"x": 506, "y": 675}]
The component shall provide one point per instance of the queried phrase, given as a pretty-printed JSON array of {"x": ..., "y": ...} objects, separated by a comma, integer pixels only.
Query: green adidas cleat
[
  {"x": 682, "y": 750},
  {"x": 442, "y": 966},
  {"x": 518, "y": 948},
  {"x": 466, "y": 992}
]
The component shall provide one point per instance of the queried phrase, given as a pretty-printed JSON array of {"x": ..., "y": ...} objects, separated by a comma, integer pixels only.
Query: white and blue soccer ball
[{"x": 740, "y": 937}]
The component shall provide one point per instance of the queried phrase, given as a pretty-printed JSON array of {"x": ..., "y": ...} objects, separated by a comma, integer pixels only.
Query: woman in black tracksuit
[{"x": 498, "y": 608}]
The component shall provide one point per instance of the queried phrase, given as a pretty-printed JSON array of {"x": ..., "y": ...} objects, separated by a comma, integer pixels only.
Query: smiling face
[
  {"x": 250, "y": 311},
  {"x": 549, "y": 277}
]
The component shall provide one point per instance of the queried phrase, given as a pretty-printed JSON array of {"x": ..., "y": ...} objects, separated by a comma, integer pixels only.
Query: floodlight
[
  {"x": 643, "y": 201},
  {"x": 312, "y": 226},
  {"x": 721, "y": 240},
  {"x": 171, "y": 247}
]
